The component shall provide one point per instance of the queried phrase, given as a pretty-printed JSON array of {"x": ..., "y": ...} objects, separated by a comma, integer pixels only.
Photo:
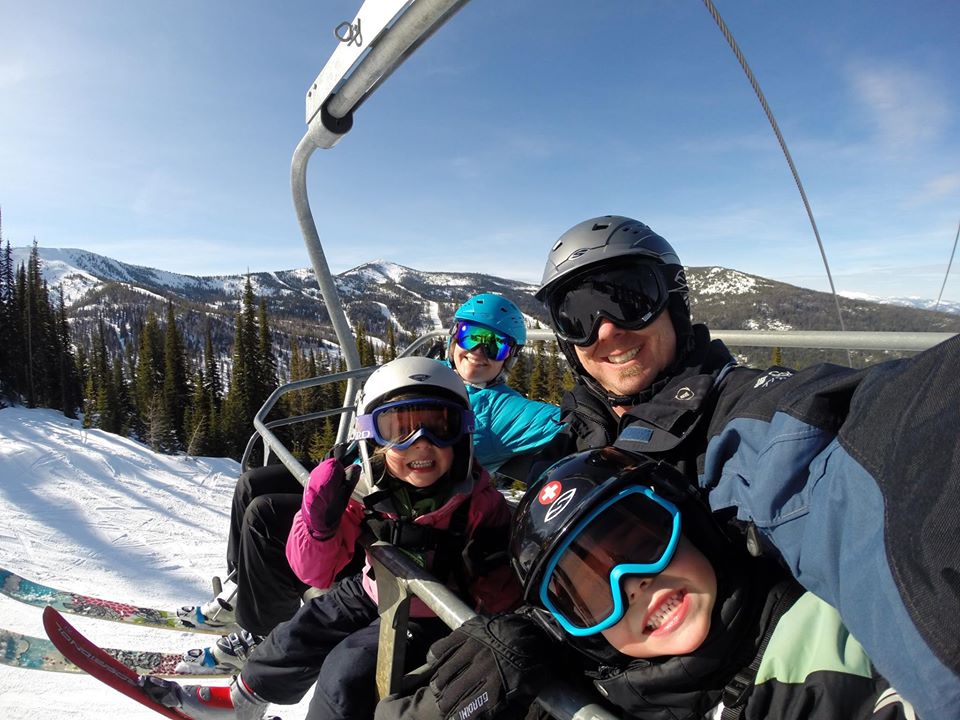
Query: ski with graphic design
[
  {"x": 39, "y": 595},
  {"x": 24, "y": 651},
  {"x": 95, "y": 661}
]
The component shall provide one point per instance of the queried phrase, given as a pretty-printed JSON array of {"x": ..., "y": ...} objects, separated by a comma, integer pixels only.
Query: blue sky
[{"x": 161, "y": 134}]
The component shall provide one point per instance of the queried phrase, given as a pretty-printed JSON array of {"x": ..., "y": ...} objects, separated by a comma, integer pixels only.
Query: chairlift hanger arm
[{"x": 381, "y": 37}]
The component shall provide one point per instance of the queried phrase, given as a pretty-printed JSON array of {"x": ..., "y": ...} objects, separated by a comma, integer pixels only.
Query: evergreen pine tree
[
  {"x": 519, "y": 378},
  {"x": 70, "y": 387},
  {"x": 148, "y": 382},
  {"x": 266, "y": 361},
  {"x": 48, "y": 365},
  {"x": 553, "y": 375},
  {"x": 175, "y": 389},
  {"x": 240, "y": 404},
  {"x": 91, "y": 417},
  {"x": 32, "y": 320},
  {"x": 328, "y": 395},
  {"x": 537, "y": 388},
  {"x": 390, "y": 353},
  {"x": 365, "y": 349},
  {"x": 82, "y": 369},
  {"x": 7, "y": 339},
  {"x": 196, "y": 420},
  {"x": 213, "y": 392},
  {"x": 21, "y": 359},
  {"x": 121, "y": 389},
  {"x": 322, "y": 442},
  {"x": 101, "y": 396},
  {"x": 298, "y": 402}
]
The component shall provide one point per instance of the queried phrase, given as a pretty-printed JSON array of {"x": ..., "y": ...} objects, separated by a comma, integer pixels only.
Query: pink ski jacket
[{"x": 317, "y": 562}]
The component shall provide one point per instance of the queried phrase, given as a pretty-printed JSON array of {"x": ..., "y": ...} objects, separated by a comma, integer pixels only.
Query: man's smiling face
[{"x": 626, "y": 362}]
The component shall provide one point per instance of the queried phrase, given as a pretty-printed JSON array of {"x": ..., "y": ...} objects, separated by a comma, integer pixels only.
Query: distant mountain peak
[
  {"x": 381, "y": 271},
  {"x": 723, "y": 281}
]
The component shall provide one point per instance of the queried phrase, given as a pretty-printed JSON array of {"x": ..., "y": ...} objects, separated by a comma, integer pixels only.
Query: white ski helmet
[{"x": 413, "y": 376}]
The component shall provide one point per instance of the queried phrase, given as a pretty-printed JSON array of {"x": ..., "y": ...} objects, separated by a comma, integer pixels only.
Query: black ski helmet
[
  {"x": 614, "y": 241},
  {"x": 588, "y": 479},
  {"x": 584, "y": 481}
]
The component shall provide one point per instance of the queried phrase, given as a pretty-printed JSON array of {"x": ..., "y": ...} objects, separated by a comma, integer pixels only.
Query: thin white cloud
[
  {"x": 935, "y": 190},
  {"x": 160, "y": 191},
  {"x": 12, "y": 73},
  {"x": 906, "y": 108}
]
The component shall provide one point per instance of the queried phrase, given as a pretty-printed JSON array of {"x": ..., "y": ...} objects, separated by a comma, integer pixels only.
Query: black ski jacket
[{"x": 850, "y": 477}]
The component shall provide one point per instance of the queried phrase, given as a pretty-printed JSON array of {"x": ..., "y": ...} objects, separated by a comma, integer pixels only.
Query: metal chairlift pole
[{"x": 382, "y": 35}]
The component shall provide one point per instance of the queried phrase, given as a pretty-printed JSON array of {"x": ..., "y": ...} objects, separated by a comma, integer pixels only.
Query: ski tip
[{"x": 52, "y": 619}]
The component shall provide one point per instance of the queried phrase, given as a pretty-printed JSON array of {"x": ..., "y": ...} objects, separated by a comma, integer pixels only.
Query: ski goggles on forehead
[
  {"x": 400, "y": 424},
  {"x": 634, "y": 533},
  {"x": 469, "y": 336},
  {"x": 630, "y": 298}
]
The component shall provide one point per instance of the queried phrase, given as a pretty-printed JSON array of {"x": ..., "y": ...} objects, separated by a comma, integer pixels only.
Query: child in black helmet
[{"x": 667, "y": 616}]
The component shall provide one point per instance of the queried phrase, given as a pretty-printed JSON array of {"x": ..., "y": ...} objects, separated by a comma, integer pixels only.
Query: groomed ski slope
[{"x": 93, "y": 512}]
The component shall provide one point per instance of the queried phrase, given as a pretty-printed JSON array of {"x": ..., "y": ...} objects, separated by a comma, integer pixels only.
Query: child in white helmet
[
  {"x": 423, "y": 491},
  {"x": 486, "y": 337}
]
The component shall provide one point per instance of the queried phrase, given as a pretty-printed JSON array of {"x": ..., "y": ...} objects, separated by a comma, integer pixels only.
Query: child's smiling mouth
[{"x": 668, "y": 614}]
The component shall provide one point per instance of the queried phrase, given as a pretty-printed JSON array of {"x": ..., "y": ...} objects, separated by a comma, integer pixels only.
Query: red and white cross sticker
[{"x": 549, "y": 492}]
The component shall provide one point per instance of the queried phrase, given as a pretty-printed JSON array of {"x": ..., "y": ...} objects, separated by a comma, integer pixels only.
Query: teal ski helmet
[{"x": 498, "y": 314}]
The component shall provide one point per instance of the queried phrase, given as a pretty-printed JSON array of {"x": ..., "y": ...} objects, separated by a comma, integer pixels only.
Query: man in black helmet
[
  {"x": 619, "y": 305},
  {"x": 851, "y": 478}
]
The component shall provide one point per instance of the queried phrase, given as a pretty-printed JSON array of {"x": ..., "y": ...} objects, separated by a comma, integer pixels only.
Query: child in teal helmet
[{"x": 485, "y": 341}]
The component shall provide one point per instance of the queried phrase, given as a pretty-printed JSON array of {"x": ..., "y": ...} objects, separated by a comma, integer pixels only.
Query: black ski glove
[
  {"x": 490, "y": 667},
  {"x": 486, "y": 550}
]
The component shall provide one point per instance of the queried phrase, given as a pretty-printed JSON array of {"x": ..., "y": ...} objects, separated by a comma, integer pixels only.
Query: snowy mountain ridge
[
  {"x": 386, "y": 297},
  {"x": 80, "y": 271}
]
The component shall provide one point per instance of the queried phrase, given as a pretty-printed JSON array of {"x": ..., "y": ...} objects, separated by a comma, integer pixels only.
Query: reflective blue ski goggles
[
  {"x": 400, "y": 424},
  {"x": 633, "y": 533},
  {"x": 469, "y": 336}
]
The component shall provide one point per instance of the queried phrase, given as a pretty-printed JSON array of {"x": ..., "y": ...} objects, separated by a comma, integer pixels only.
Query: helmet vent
[{"x": 600, "y": 226}]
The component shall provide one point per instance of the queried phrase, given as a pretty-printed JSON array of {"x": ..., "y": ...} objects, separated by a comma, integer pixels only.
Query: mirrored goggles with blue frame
[
  {"x": 400, "y": 424},
  {"x": 469, "y": 336},
  {"x": 633, "y": 533}
]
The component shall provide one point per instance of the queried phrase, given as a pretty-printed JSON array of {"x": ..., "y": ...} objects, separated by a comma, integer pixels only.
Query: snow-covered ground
[{"x": 93, "y": 512}]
